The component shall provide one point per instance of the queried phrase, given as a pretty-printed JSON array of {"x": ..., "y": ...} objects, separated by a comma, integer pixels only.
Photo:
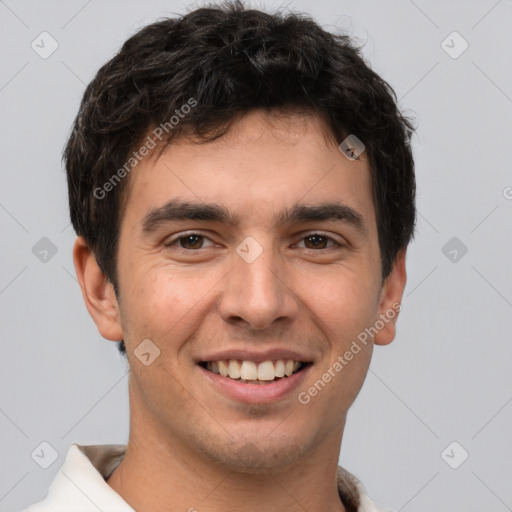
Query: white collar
[{"x": 81, "y": 485}]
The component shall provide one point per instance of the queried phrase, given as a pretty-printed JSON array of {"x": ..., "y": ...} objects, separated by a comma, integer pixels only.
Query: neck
[{"x": 161, "y": 472}]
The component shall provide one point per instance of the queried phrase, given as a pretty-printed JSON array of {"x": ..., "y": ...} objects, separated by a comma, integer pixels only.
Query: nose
[{"x": 258, "y": 294}]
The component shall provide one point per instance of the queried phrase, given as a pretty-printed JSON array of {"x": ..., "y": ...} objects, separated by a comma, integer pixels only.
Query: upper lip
[{"x": 258, "y": 357}]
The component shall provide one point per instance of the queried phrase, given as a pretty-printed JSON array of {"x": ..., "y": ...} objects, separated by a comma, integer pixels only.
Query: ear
[
  {"x": 97, "y": 291},
  {"x": 390, "y": 300}
]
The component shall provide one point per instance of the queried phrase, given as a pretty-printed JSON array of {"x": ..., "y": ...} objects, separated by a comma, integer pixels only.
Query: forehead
[{"x": 263, "y": 167}]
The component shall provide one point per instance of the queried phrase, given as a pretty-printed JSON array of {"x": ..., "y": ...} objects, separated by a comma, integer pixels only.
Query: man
[{"x": 243, "y": 191}]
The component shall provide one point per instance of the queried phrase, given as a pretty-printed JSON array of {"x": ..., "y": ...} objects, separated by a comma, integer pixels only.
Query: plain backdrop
[{"x": 431, "y": 428}]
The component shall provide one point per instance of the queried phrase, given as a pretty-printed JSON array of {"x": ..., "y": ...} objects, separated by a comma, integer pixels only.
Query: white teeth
[
  {"x": 234, "y": 369},
  {"x": 266, "y": 371},
  {"x": 288, "y": 367},
  {"x": 279, "y": 368},
  {"x": 248, "y": 370},
  {"x": 223, "y": 368},
  {"x": 251, "y": 372}
]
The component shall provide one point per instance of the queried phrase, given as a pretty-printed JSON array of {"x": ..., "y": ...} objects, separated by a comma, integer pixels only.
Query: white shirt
[{"x": 80, "y": 484}]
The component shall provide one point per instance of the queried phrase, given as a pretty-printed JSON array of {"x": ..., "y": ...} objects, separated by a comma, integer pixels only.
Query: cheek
[
  {"x": 349, "y": 307},
  {"x": 164, "y": 303},
  {"x": 345, "y": 304},
  {"x": 349, "y": 374}
]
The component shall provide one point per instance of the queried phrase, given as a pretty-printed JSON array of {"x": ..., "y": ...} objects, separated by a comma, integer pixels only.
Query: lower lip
[{"x": 256, "y": 393}]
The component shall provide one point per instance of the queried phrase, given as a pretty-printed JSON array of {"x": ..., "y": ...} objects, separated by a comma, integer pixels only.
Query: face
[{"x": 271, "y": 274}]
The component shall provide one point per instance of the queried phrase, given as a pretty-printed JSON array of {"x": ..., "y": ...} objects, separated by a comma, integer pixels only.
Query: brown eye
[
  {"x": 191, "y": 241},
  {"x": 319, "y": 241},
  {"x": 188, "y": 242}
]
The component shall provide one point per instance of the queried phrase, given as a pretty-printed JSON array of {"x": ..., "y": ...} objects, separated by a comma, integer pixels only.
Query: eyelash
[{"x": 174, "y": 241}]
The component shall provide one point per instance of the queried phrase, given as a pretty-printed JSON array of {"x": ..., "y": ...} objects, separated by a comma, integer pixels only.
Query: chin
[{"x": 256, "y": 456}]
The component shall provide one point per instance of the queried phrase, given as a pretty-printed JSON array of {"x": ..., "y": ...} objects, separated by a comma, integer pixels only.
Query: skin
[{"x": 191, "y": 447}]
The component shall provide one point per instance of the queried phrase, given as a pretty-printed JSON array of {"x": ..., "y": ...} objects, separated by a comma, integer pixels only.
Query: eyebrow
[{"x": 176, "y": 210}]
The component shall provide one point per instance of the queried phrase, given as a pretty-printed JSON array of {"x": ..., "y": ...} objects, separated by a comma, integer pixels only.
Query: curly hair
[{"x": 231, "y": 60}]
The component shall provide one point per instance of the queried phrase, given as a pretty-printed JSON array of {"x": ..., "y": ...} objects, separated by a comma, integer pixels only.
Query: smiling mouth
[{"x": 249, "y": 372}]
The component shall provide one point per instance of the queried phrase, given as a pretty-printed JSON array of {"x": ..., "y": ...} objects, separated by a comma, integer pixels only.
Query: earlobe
[
  {"x": 390, "y": 301},
  {"x": 97, "y": 291}
]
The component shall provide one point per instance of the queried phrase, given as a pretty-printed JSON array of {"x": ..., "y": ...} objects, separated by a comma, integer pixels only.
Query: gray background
[{"x": 445, "y": 378}]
